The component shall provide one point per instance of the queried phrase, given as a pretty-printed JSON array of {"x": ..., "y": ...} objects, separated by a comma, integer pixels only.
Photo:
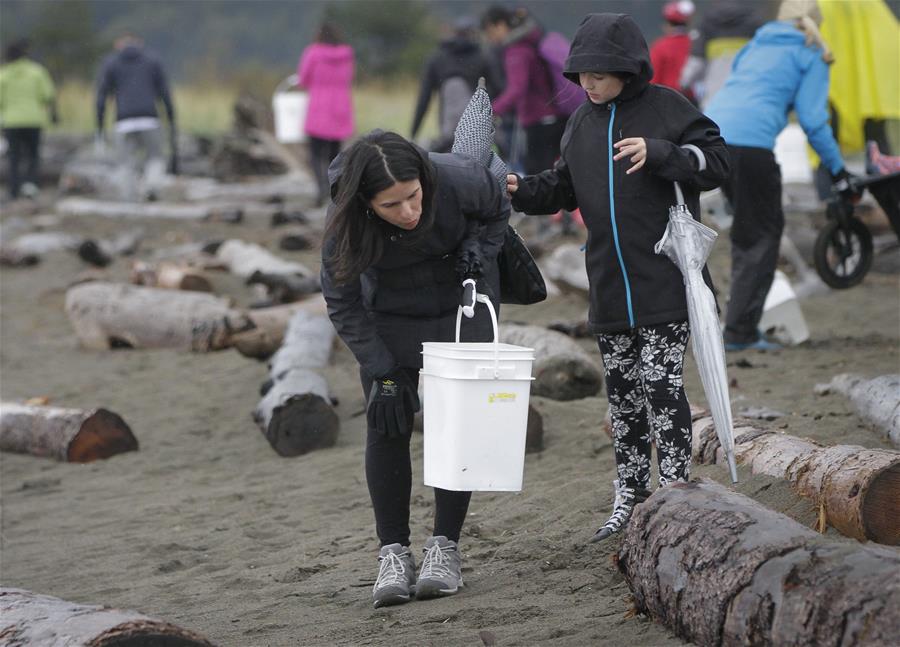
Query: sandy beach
[{"x": 206, "y": 527}]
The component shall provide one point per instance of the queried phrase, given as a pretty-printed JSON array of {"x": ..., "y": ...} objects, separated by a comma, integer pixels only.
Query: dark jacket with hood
[
  {"x": 457, "y": 57},
  {"x": 626, "y": 215},
  {"x": 412, "y": 293},
  {"x": 136, "y": 79}
]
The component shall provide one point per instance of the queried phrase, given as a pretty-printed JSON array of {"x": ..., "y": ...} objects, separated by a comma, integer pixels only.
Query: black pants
[
  {"x": 647, "y": 402},
  {"x": 542, "y": 145},
  {"x": 24, "y": 148},
  {"x": 389, "y": 477},
  {"x": 321, "y": 153},
  {"x": 754, "y": 191}
]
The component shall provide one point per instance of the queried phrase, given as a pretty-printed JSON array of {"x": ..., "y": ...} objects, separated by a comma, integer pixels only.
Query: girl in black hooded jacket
[{"x": 621, "y": 153}]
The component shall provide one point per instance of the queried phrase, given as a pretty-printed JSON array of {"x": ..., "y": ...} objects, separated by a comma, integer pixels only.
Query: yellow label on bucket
[{"x": 501, "y": 397}]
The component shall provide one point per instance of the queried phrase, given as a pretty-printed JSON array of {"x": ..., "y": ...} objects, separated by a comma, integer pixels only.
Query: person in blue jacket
[
  {"x": 621, "y": 153},
  {"x": 783, "y": 68}
]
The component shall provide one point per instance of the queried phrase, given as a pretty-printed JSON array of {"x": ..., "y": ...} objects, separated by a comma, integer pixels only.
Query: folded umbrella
[
  {"x": 688, "y": 243},
  {"x": 474, "y": 134}
]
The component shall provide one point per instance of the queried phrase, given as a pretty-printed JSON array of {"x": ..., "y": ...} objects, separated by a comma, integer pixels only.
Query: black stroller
[{"x": 843, "y": 252}]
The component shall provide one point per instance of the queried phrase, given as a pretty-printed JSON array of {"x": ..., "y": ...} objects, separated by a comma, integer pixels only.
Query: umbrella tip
[
  {"x": 732, "y": 467},
  {"x": 481, "y": 83}
]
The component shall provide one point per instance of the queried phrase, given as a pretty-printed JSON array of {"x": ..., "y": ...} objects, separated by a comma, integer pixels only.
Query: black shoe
[{"x": 623, "y": 507}]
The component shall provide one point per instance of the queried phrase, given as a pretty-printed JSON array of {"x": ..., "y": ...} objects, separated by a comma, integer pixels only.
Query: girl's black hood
[{"x": 610, "y": 42}]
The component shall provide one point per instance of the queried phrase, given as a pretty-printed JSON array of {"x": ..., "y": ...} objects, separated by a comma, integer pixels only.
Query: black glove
[
  {"x": 844, "y": 184},
  {"x": 469, "y": 259},
  {"x": 392, "y": 402}
]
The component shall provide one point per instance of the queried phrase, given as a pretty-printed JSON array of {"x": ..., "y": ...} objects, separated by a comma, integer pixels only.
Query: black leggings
[
  {"x": 389, "y": 476},
  {"x": 321, "y": 153},
  {"x": 24, "y": 150},
  {"x": 647, "y": 402}
]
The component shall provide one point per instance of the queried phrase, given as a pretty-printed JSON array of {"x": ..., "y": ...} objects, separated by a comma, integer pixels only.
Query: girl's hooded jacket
[
  {"x": 626, "y": 215},
  {"x": 411, "y": 295}
]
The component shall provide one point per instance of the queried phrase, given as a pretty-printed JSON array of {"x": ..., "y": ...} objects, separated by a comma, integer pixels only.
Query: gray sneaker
[
  {"x": 441, "y": 569},
  {"x": 396, "y": 576}
]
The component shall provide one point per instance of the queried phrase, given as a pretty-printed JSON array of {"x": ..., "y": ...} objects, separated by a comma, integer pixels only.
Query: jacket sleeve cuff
[{"x": 657, "y": 152}]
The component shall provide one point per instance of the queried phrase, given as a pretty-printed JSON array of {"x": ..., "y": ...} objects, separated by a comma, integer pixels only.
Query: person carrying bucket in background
[
  {"x": 325, "y": 70},
  {"x": 399, "y": 224},
  {"x": 618, "y": 164}
]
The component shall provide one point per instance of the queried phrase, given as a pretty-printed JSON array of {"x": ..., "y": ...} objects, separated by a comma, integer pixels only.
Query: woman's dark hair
[
  {"x": 376, "y": 162},
  {"x": 16, "y": 50},
  {"x": 330, "y": 34},
  {"x": 510, "y": 17}
]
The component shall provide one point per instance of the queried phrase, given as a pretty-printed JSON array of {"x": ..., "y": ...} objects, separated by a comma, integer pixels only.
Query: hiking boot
[
  {"x": 396, "y": 576},
  {"x": 623, "y": 506},
  {"x": 441, "y": 569}
]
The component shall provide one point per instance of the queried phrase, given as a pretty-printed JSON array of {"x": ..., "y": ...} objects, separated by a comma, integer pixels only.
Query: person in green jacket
[{"x": 27, "y": 103}]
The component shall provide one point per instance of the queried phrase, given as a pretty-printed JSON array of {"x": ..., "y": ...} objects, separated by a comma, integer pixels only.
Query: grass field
[{"x": 206, "y": 110}]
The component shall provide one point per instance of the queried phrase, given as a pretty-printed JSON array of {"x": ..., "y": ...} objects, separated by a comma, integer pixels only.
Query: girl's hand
[
  {"x": 512, "y": 183},
  {"x": 636, "y": 148}
]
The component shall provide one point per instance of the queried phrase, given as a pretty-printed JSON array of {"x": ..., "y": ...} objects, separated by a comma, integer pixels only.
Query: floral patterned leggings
[{"x": 647, "y": 402}]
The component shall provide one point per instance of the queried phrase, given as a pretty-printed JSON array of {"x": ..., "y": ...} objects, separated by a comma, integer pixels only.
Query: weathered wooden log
[
  {"x": 106, "y": 315},
  {"x": 717, "y": 568},
  {"x": 268, "y": 325},
  {"x": 14, "y": 258},
  {"x": 43, "y": 242},
  {"x": 72, "y": 435},
  {"x": 562, "y": 370},
  {"x": 295, "y": 414},
  {"x": 286, "y": 288},
  {"x": 296, "y": 184},
  {"x": 170, "y": 276},
  {"x": 565, "y": 267},
  {"x": 856, "y": 489},
  {"x": 28, "y": 618},
  {"x": 109, "y": 209},
  {"x": 243, "y": 259},
  {"x": 877, "y": 400}
]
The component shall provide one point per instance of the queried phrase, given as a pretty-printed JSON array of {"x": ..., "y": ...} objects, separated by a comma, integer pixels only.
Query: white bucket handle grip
[{"x": 483, "y": 298}]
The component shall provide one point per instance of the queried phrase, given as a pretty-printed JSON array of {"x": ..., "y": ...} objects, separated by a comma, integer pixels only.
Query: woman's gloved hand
[{"x": 392, "y": 402}]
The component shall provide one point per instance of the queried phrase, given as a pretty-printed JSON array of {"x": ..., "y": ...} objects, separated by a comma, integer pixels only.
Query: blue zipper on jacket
[{"x": 612, "y": 216}]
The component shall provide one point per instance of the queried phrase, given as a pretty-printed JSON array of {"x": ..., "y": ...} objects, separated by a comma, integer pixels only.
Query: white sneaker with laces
[
  {"x": 441, "y": 572},
  {"x": 396, "y": 576}
]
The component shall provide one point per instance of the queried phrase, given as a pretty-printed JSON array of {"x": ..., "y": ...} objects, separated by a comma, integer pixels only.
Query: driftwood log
[
  {"x": 265, "y": 335},
  {"x": 72, "y": 435},
  {"x": 15, "y": 258},
  {"x": 856, "y": 489},
  {"x": 877, "y": 400},
  {"x": 243, "y": 259},
  {"x": 109, "y": 209},
  {"x": 295, "y": 414},
  {"x": 565, "y": 267},
  {"x": 717, "y": 568},
  {"x": 42, "y": 242},
  {"x": 171, "y": 276},
  {"x": 106, "y": 315},
  {"x": 28, "y": 618},
  {"x": 562, "y": 369}
]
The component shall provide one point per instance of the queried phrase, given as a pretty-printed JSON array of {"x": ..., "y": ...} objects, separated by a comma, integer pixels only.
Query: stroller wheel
[{"x": 843, "y": 253}]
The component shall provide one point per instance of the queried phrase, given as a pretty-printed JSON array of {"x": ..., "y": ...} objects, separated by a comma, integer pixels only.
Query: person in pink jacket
[{"x": 325, "y": 70}]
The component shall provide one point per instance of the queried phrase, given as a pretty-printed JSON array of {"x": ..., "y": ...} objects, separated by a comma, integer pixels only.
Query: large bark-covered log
[
  {"x": 109, "y": 209},
  {"x": 42, "y": 242},
  {"x": 107, "y": 315},
  {"x": 877, "y": 400},
  {"x": 295, "y": 414},
  {"x": 720, "y": 569},
  {"x": 243, "y": 259},
  {"x": 857, "y": 489},
  {"x": 562, "y": 369},
  {"x": 297, "y": 184},
  {"x": 28, "y": 618},
  {"x": 73, "y": 435}
]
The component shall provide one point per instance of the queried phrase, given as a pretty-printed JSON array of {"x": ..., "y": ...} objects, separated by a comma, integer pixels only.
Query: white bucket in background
[
  {"x": 792, "y": 156},
  {"x": 782, "y": 314},
  {"x": 289, "y": 109},
  {"x": 475, "y": 412}
]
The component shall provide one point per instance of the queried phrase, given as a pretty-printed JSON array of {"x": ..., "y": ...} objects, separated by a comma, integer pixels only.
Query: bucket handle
[{"x": 483, "y": 298}]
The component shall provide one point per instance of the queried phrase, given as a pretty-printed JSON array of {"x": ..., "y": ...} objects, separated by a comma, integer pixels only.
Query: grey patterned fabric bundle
[{"x": 474, "y": 135}]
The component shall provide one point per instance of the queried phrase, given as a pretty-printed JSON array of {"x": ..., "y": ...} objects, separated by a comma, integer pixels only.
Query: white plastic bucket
[
  {"x": 289, "y": 109},
  {"x": 475, "y": 412},
  {"x": 782, "y": 314}
]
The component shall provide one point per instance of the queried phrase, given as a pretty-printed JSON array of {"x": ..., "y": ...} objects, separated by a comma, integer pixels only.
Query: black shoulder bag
[{"x": 521, "y": 281}]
